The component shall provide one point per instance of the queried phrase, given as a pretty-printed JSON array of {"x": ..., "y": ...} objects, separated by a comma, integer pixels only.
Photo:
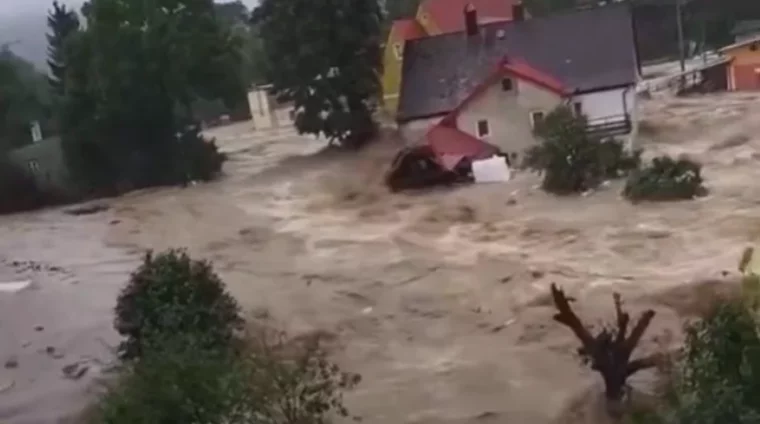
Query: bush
[
  {"x": 719, "y": 378},
  {"x": 175, "y": 383},
  {"x": 666, "y": 179},
  {"x": 204, "y": 161},
  {"x": 571, "y": 160},
  {"x": 296, "y": 383},
  {"x": 171, "y": 294}
]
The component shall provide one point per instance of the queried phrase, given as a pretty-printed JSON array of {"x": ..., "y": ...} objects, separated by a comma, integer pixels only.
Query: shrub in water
[
  {"x": 666, "y": 179},
  {"x": 172, "y": 294},
  {"x": 571, "y": 160}
]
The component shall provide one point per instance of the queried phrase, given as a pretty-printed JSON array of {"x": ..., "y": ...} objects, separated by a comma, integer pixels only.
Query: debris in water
[
  {"x": 90, "y": 209},
  {"x": 7, "y": 385},
  {"x": 11, "y": 363},
  {"x": 75, "y": 371}
]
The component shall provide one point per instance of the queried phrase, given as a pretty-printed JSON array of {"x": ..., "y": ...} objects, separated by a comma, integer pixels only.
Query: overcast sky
[{"x": 26, "y": 7}]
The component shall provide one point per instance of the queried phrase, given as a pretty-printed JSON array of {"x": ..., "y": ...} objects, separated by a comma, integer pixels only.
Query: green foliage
[
  {"x": 719, "y": 379},
  {"x": 177, "y": 382},
  {"x": 298, "y": 384},
  {"x": 24, "y": 98},
  {"x": 172, "y": 294},
  {"x": 665, "y": 179},
  {"x": 573, "y": 161},
  {"x": 325, "y": 56},
  {"x": 62, "y": 22},
  {"x": 132, "y": 77}
]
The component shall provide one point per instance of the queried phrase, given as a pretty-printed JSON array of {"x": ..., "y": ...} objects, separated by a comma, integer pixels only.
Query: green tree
[
  {"x": 62, "y": 22},
  {"x": 324, "y": 56},
  {"x": 132, "y": 78},
  {"x": 571, "y": 160},
  {"x": 23, "y": 98},
  {"x": 172, "y": 294}
]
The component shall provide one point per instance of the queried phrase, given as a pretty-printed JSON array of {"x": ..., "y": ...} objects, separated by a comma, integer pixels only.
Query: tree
[
  {"x": 400, "y": 9},
  {"x": 172, "y": 294},
  {"x": 666, "y": 179},
  {"x": 325, "y": 57},
  {"x": 132, "y": 79},
  {"x": 571, "y": 160},
  {"x": 610, "y": 351},
  {"x": 23, "y": 99},
  {"x": 61, "y": 22}
]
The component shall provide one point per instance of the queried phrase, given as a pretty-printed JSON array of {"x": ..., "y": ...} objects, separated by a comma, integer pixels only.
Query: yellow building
[{"x": 433, "y": 17}]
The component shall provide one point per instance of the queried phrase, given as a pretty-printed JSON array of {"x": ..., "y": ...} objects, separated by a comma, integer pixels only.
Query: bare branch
[
  {"x": 622, "y": 319},
  {"x": 567, "y": 317},
  {"x": 638, "y": 331}
]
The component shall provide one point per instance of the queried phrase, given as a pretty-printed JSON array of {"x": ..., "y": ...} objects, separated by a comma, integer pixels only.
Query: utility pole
[{"x": 681, "y": 52}]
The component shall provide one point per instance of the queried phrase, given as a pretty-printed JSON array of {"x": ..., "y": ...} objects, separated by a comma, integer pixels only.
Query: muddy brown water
[{"x": 438, "y": 299}]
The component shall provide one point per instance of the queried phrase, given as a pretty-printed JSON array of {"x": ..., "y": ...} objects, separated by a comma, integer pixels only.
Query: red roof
[
  {"x": 451, "y": 145},
  {"x": 523, "y": 70},
  {"x": 448, "y": 15},
  {"x": 518, "y": 69},
  {"x": 407, "y": 29}
]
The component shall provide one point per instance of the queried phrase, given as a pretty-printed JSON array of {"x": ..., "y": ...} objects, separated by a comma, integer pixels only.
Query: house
[
  {"x": 496, "y": 81},
  {"x": 45, "y": 161},
  {"x": 744, "y": 64},
  {"x": 434, "y": 17},
  {"x": 266, "y": 112}
]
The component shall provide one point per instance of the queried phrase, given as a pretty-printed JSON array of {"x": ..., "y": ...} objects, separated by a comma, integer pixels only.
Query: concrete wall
[
  {"x": 508, "y": 114},
  {"x": 266, "y": 113}
]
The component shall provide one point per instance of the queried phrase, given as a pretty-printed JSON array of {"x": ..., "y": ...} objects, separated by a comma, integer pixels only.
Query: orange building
[{"x": 744, "y": 65}]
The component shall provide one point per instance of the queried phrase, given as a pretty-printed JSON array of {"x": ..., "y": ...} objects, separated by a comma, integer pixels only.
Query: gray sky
[{"x": 27, "y": 7}]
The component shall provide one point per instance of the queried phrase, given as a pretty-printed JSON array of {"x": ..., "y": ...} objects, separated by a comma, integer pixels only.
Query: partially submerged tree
[
  {"x": 172, "y": 294},
  {"x": 610, "y": 351},
  {"x": 666, "y": 179},
  {"x": 132, "y": 77},
  {"x": 325, "y": 57},
  {"x": 571, "y": 160}
]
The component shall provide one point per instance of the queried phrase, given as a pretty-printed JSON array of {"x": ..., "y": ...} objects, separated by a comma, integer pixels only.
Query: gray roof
[{"x": 585, "y": 50}]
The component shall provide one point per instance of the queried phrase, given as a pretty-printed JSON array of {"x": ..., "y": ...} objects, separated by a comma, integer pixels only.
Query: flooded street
[{"x": 439, "y": 299}]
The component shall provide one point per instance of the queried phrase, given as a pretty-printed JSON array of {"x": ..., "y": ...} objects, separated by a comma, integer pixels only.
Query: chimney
[
  {"x": 470, "y": 20},
  {"x": 518, "y": 12}
]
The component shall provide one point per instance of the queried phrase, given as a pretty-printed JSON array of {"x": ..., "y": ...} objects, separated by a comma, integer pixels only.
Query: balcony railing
[{"x": 609, "y": 126}]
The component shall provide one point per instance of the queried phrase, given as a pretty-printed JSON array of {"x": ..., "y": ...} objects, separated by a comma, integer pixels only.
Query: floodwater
[{"x": 439, "y": 299}]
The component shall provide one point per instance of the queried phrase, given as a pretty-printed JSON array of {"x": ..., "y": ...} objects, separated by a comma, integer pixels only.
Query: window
[
  {"x": 397, "y": 51},
  {"x": 506, "y": 84},
  {"x": 33, "y": 166},
  {"x": 483, "y": 129},
  {"x": 536, "y": 118},
  {"x": 578, "y": 108}
]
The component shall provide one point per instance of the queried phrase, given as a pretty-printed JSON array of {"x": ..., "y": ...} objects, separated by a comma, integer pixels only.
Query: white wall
[
  {"x": 607, "y": 103},
  {"x": 261, "y": 116},
  {"x": 508, "y": 114}
]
